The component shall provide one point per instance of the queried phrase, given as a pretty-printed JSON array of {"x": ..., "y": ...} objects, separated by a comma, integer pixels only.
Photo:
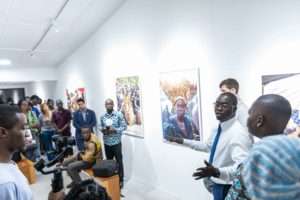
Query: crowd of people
[
  {"x": 237, "y": 167},
  {"x": 27, "y": 130}
]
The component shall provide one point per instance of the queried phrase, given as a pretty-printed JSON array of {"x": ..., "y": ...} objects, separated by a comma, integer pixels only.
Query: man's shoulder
[
  {"x": 66, "y": 111},
  {"x": 8, "y": 173},
  {"x": 90, "y": 110},
  {"x": 236, "y": 125},
  {"x": 118, "y": 113},
  {"x": 76, "y": 112}
]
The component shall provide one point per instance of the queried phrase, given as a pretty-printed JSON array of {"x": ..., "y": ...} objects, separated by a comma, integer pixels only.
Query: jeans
[
  {"x": 115, "y": 151},
  {"x": 46, "y": 140}
]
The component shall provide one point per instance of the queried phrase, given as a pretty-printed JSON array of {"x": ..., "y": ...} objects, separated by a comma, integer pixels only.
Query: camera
[
  {"x": 84, "y": 190},
  {"x": 62, "y": 143}
]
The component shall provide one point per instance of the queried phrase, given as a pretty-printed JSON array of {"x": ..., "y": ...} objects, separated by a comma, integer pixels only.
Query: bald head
[
  {"x": 109, "y": 105},
  {"x": 269, "y": 115}
]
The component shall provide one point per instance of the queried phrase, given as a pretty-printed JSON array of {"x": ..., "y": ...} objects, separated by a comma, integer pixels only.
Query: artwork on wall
[
  {"x": 72, "y": 97},
  {"x": 285, "y": 85},
  {"x": 129, "y": 103},
  {"x": 180, "y": 104}
]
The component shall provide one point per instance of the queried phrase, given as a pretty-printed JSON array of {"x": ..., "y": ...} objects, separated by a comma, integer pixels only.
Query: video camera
[
  {"x": 85, "y": 190},
  {"x": 62, "y": 143}
]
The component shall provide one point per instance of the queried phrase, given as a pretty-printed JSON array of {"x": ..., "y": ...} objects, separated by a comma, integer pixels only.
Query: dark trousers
[
  {"x": 220, "y": 191},
  {"x": 115, "y": 151},
  {"x": 74, "y": 166}
]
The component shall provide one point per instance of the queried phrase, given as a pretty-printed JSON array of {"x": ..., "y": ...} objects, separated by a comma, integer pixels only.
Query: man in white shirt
[
  {"x": 232, "y": 85},
  {"x": 13, "y": 184},
  {"x": 228, "y": 147}
]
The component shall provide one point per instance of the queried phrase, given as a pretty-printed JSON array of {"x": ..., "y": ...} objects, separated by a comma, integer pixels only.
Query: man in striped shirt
[
  {"x": 112, "y": 125},
  {"x": 268, "y": 117}
]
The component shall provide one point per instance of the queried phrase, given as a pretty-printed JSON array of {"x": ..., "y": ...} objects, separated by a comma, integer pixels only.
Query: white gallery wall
[
  {"x": 27, "y": 74},
  {"x": 223, "y": 38}
]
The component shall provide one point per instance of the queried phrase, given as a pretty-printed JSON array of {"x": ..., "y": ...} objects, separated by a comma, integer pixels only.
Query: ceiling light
[{"x": 5, "y": 62}]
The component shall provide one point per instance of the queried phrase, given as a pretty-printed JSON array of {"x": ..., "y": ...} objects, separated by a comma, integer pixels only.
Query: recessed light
[{"x": 5, "y": 62}]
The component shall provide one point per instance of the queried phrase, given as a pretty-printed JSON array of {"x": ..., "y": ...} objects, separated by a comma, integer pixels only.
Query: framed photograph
[
  {"x": 72, "y": 97},
  {"x": 129, "y": 103},
  {"x": 180, "y": 104},
  {"x": 285, "y": 85}
]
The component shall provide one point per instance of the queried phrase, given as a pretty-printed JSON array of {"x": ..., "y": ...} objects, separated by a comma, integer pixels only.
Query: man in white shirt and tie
[
  {"x": 228, "y": 147},
  {"x": 232, "y": 85}
]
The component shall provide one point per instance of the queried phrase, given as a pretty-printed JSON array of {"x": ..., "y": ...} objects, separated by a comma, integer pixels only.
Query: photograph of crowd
[{"x": 129, "y": 103}]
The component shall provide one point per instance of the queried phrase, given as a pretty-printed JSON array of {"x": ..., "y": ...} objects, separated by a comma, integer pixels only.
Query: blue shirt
[
  {"x": 36, "y": 111},
  {"x": 118, "y": 123}
]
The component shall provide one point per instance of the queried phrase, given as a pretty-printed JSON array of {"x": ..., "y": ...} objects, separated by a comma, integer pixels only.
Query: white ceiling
[{"x": 23, "y": 22}]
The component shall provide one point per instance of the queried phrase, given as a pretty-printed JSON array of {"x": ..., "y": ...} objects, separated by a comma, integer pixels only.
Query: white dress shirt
[
  {"x": 232, "y": 149},
  {"x": 242, "y": 112}
]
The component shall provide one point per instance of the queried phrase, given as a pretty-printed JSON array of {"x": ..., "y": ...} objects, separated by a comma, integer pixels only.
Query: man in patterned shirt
[
  {"x": 112, "y": 125},
  {"x": 268, "y": 116}
]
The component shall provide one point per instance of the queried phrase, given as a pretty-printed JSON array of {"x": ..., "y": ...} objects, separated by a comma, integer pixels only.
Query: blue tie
[{"x": 214, "y": 146}]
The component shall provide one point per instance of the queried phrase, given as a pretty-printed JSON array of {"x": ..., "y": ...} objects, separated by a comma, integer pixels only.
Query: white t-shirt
[{"x": 13, "y": 184}]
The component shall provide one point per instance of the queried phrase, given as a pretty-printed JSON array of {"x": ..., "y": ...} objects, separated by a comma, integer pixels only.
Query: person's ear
[
  {"x": 260, "y": 121},
  {"x": 3, "y": 132}
]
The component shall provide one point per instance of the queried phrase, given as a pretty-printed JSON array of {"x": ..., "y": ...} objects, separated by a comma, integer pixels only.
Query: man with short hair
[
  {"x": 228, "y": 147},
  {"x": 62, "y": 119},
  {"x": 232, "y": 85},
  {"x": 112, "y": 125},
  {"x": 268, "y": 116},
  {"x": 83, "y": 117},
  {"x": 50, "y": 103},
  {"x": 35, "y": 100},
  {"x": 272, "y": 169},
  {"x": 13, "y": 184}
]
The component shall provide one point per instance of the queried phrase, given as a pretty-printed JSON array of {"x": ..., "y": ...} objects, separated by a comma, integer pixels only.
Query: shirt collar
[
  {"x": 113, "y": 113},
  {"x": 225, "y": 125},
  {"x": 84, "y": 110}
]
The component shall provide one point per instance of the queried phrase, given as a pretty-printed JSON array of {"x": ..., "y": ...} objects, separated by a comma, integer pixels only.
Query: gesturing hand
[{"x": 207, "y": 171}]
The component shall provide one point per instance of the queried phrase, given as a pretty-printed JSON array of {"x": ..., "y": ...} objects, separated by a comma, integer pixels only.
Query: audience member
[
  {"x": 62, "y": 119},
  {"x": 48, "y": 129},
  {"x": 83, "y": 117},
  {"x": 35, "y": 101},
  {"x": 112, "y": 125},
  {"x": 13, "y": 184},
  {"x": 85, "y": 159},
  {"x": 268, "y": 116}
]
